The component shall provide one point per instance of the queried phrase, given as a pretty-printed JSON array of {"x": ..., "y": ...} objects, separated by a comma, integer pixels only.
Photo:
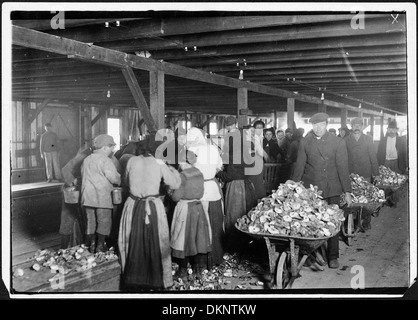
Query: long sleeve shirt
[
  {"x": 99, "y": 174},
  {"x": 49, "y": 142},
  {"x": 144, "y": 174},
  {"x": 324, "y": 163}
]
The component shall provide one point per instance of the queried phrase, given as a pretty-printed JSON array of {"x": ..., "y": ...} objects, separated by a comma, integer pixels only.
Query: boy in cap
[
  {"x": 49, "y": 147},
  {"x": 99, "y": 174},
  {"x": 391, "y": 151},
  {"x": 332, "y": 131},
  {"x": 322, "y": 161}
]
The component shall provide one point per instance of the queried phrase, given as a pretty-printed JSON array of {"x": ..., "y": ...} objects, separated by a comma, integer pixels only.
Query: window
[
  {"x": 213, "y": 128},
  {"x": 113, "y": 129}
]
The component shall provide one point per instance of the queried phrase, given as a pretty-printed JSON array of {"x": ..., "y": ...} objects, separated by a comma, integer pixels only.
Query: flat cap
[
  {"x": 332, "y": 130},
  {"x": 288, "y": 130},
  {"x": 357, "y": 121},
  {"x": 103, "y": 140},
  {"x": 319, "y": 117},
  {"x": 230, "y": 120}
]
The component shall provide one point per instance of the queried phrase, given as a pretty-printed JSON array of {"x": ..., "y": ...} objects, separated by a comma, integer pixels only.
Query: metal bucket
[
  {"x": 71, "y": 195},
  {"x": 117, "y": 195}
]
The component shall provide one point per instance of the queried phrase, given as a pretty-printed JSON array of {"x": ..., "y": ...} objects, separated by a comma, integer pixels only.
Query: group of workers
[{"x": 183, "y": 195}]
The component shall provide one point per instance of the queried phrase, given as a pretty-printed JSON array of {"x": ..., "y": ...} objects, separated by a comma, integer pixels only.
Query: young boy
[{"x": 99, "y": 174}]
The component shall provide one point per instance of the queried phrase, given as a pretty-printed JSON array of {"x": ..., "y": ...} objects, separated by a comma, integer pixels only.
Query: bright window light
[
  {"x": 113, "y": 126},
  {"x": 213, "y": 128}
]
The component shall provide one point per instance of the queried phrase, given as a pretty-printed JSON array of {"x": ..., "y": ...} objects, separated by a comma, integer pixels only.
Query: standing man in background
[
  {"x": 49, "y": 147},
  {"x": 391, "y": 151},
  {"x": 362, "y": 158},
  {"x": 322, "y": 161}
]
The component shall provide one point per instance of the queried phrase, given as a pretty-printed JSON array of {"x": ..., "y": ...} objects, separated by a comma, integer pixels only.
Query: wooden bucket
[{"x": 71, "y": 195}]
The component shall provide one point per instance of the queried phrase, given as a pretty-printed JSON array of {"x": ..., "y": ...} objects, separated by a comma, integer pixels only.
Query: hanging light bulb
[
  {"x": 186, "y": 49},
  {"x": 322, "y": 96},
  {"x": 108, "y": 93},
  {"x": 359, "y": 106},
  {"x": 118, "y": 23},
  {"x": 194, "y": 48},
  {"x": 107, "y": 24},
  {"x": 241, "y": 74}
]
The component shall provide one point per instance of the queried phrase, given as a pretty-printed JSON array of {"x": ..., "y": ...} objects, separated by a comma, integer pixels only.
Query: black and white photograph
[{"x": 209, "y": 150}]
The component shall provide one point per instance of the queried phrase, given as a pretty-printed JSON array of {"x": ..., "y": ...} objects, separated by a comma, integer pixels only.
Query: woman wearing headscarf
[
  {"x": 209, "y": 162},
  {"x": 144, "y": 243},
  {"x": 199, "y": 207}
]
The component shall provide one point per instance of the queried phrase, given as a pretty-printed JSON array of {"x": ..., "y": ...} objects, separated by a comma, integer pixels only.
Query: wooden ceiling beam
[
  {"x": 321, "y": 54},
  {"x": 259, "y": 35},
  {"x": 285, "y": 46},
  {"x": 45, "y": 24},
  {"x": 38, "y": 40},
  {"x": 186, "y": 25},
  {"x": 309, "y": 63}
]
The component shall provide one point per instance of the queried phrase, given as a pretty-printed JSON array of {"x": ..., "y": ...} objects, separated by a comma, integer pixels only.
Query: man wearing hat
[
  {"x": 391, "y": 151},
  {"x": 332, "y": 131},
  {"x": 99, "y": 174},
  {"x": 49, "y": 147},
  {"x": 362, "y": 158},
  {"x": 322, "y": 161}
]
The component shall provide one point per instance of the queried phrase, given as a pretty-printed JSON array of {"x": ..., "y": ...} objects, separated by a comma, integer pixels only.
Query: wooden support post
[
  {"x": 101, "y": 113},
  {"x": 372, "y": 125},
  {"x": 343, "y": 117},
  {"x": 242, "y": 99},
  {"x": 382, "y": 122},
  {"x": 140, "y": 101},
  {"x": 157, "y": 98},
  {"x": 275, "y": 125},
  {"x": 322, "y": 107},
  {"x": 32, "y": 116},
  {"x": 208, "y": 120},
  {"x": 290, "y": 112}
]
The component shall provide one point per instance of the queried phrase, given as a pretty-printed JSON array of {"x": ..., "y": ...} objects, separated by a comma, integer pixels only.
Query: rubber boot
[
  {"x": 65, "y": 241},
  {"x": 91, "y": 242},
  {"x": 101, "y": 245}
]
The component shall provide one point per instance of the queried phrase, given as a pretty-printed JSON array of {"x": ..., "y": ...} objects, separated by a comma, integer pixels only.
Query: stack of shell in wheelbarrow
[
  {"x": 391, "y": 183},
  {"x": 364, "y": 192},
  {"x": 293, "y": 210}
]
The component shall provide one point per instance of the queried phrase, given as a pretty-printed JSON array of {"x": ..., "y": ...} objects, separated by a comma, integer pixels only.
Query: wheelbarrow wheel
[{"x": 283, "y": 272}]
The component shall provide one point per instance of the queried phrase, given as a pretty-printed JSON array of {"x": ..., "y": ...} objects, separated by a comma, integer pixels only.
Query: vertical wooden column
[
  {"x": 343, "y": 117},
  {"x": 322, "y": 107},
  {"x": 275, "y": 119},
  {"x": 372, "y": 125},
  {"x": 382, "y": 122},
  {"x": 290, "y": 112},
  {"x": 242, "y": 105},
  {"x": 157, "y": 98}
]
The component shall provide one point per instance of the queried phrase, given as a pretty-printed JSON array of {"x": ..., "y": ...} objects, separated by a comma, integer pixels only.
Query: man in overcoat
[
  {"x": 362, "y": 159},
  {"x": 322, "y": 161}
]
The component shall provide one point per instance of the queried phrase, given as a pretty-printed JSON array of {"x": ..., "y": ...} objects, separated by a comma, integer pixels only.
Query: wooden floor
[{"x": 24, "y": 248}]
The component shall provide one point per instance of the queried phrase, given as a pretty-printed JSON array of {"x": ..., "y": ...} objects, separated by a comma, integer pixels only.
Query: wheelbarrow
[
  {"x": 355, "y": 217},
  {"x": 287, "y": 255}
]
